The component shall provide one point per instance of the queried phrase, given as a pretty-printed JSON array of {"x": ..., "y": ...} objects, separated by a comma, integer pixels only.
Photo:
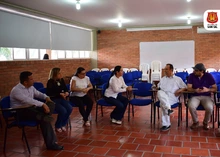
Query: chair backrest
[
  {"x": 38, "y": 85},
  {"x": 143, "y": 89},
  {"x": 133, "y": 69},
  {"x": 126, "y": 70},
  {"x": 211, "y": 70},
  {"x": 179, "y": 70},
  {"x": 5, "y": 103},
  {"x": 182, "y": 75},
  {"x": 218, "y": 89},
  {"x": 96, "y": 69},
  {"x": 43, "y": 90},
  {"x": 144, "y": 67},
  {"x": 104, "y": 69},
  {"x": 104, "y": 86},
  {"x": 156, "y": 66},
  {"x": 216, "y": 76},
  {"x": 128, "y": 77},
  {"x": 105, "y": 78}
]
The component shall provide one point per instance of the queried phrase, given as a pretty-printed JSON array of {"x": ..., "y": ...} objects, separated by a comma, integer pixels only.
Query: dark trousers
[
  {"x": 64, "y": 109},
  {"x": 121, "y": 103},
  {"x": 46, "y": 127},
  {"x": 80, "y": 102}
]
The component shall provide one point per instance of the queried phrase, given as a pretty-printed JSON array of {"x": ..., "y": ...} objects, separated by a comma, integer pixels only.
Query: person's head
[
  {"x": 55, "y": 74},
  {"x": 118, "y": 71},
  {"x": 199, "y": 69},
  {"x": 80, "y": 72},
  {"x": 46, "y": 56},
  {"x": 169, "y": 70},
  {"x": 26, "y": 78}
]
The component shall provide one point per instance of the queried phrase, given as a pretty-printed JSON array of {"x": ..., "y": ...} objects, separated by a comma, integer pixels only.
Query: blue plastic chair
[
  {"x": 128, "y": 78},
  {"x": 9, "y": 114},
  {"x": 183, "y": 76},
  {"x": 101, "y": 102},
  {"x": 179, "y": 105},
  {"x": 143, "y": 90},
  {"x": 38, "y": 85}
]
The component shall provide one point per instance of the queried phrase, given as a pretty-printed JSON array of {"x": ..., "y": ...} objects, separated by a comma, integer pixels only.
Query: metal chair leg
[{"x": 25, "y": 138}]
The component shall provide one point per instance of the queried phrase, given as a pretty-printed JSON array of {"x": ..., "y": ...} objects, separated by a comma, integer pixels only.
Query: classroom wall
[
  {"x": 119, "y": 47},
  {"x": 10, "y": 71}
]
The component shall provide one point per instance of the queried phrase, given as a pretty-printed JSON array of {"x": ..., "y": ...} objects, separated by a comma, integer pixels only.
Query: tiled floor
[{"x": 137, "y": 138}]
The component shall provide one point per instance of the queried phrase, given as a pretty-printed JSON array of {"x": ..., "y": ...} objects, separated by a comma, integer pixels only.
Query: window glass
[
  {"x": 87, "y": 54},
  {"x": 5, "y": 53},
  {"x": 53, "y": 54},
  {"x": 69, "y": 54},
  {"x": 81, "y": 54},
  {"x": 33, "y": 53},
  {"x": 19, "y": 53},
  {"x": 42, "y": 52},
  {"x": 61, "y": 54},
  {"x": 75, "y": 54}
]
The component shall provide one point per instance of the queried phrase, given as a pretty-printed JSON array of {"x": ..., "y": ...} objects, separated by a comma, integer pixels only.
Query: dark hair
[
  {"x": 24, "y": 76},
  {"x": 171, "y": 66},
  {"x": 116, "y": 69},
  {"x": 46, "y": 56},
  {"x": 79, "y": 70}
]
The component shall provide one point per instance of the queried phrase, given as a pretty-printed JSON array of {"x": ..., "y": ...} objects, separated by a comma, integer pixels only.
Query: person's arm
[
  {"x": 20, "y": 96},
  {"x": 117, "y": 88},
  {"x": 213, "y": 88}
]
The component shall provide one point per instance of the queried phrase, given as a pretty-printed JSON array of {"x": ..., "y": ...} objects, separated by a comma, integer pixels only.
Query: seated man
[
  {"x": 23, "y": 94},
  {"x": 170, "y": 88},
  {"x": 201, "y": 84}
]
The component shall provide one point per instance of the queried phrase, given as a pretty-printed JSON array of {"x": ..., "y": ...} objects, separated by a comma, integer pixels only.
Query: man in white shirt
[
  {"x": 23, "y": 94},
  {"x": 170, "y": 88}
]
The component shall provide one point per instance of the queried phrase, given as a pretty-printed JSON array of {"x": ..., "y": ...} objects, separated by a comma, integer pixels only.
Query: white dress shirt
[
  {"x": 80, "y": 83},
  {"x": 20, "y": 95}
]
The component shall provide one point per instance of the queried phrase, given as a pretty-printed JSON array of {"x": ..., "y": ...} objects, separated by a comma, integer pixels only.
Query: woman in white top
[
  {"x": 79, "y": 86},
  {"x": 115, "y": 86}
]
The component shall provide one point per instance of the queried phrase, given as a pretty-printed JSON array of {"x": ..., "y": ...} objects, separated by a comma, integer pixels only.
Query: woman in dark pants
[
  {"x": 58, "y": 92},
  {"x": 115, "y": 86},
  {"x": 79, "y": 86}
]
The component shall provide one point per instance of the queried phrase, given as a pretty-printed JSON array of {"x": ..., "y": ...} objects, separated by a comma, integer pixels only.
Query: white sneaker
[
  {"x": 116, "y": 121},
  {"x": 87, "y": 123}
]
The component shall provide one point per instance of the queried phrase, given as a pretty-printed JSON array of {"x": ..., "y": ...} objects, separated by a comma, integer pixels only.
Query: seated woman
[
  {"x": 58, "y": 92},
  {"x": 79, "y": 86},
  {"x": 115, "y": 86}
]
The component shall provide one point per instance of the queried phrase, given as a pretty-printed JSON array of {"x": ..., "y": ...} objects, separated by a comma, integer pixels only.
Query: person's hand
[
  {"x": 66, "y": 94},
  {"x": 199, "y": 90},
  {"x": 178, "y": 93},
  {"x": 63, "y": 95},
  {"x": 129, "y": 88},
  {"x": 204, "y": 89},
  {"x": 49, "y": 100},
  {"x": 85, "y": 90},
  {"x": 46, "y": 108}
]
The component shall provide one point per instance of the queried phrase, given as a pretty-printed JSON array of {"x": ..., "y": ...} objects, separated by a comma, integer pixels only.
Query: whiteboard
[{"x": 179, "y": 53}]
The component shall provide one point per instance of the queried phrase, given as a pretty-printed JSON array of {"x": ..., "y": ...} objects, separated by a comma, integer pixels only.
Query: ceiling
[{"x": 104, "y": 14}]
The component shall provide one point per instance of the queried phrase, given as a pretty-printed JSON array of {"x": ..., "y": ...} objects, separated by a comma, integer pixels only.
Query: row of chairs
[{"x": 107, "y": 69}]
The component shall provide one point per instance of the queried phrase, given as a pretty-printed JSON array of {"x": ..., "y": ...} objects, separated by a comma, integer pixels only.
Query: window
[
  {"x": 33, "y": 54},
  {"x": 19, "y": 53},
  {"x": 6, "y": 54},
  {"x": 42, "y": 52}
]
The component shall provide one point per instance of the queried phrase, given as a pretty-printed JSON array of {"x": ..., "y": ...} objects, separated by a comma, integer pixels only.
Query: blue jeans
[
  {"x": 64, "y": 109},
  {"x": 121, "y": 103}
]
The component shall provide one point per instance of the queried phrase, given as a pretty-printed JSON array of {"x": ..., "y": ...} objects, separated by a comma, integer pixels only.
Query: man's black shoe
[
  {"x": 165, "y": 128},
  {"x": 55, "y": 147},
  {"x": 170, "y": 112}
]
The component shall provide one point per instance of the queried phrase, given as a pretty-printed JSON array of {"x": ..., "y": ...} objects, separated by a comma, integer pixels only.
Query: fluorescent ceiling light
[
  {"x": 78, "y": 4},
  {"x": 119, "y": 24},
  {"x": 158, "y": 28},
  {"x": 188, "y": 21}
]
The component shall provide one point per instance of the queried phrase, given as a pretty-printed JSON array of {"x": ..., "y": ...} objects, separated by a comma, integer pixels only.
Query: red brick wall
[
  {"x": 10, "y": 71},
  {"x": 119, "y": 47}
]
